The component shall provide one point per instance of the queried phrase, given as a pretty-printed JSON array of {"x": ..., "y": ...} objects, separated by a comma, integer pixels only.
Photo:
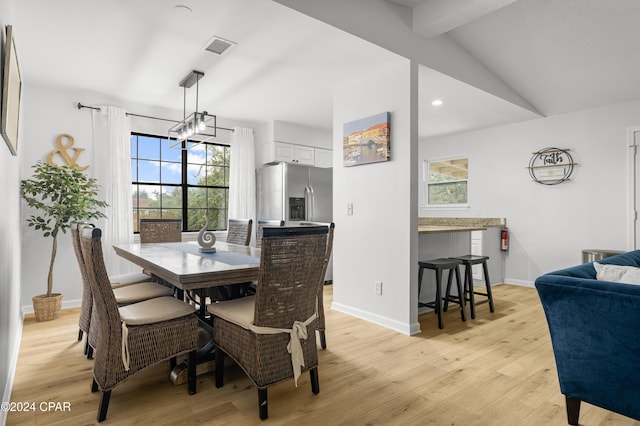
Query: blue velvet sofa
[{"x": 595, "y": 334}]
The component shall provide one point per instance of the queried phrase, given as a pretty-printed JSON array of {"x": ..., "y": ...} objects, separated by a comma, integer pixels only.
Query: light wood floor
[{"x": 495, "y": 370}]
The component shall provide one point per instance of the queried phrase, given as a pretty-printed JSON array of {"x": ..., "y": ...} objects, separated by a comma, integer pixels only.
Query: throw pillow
[
  {"x": 631, "y": 276},
  {"x": 617, "y": 273}
]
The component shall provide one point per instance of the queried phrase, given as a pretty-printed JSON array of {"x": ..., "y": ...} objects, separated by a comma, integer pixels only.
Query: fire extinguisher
[{"x": 504, "y": 239}]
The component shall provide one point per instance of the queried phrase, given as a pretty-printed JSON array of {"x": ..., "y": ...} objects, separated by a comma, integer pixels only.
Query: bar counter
[{"x": 433, "y": 225}]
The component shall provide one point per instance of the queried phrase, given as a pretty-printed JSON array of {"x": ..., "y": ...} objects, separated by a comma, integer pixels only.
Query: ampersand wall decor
[
  {"x": 551, "y": 166},
  {"x": 62, "y": 151}
]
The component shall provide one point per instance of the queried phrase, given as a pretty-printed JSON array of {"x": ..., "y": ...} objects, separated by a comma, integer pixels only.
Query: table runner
[{"x": 227, "y": 257}]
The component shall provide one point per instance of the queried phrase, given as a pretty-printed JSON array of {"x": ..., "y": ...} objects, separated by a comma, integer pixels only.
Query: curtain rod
[{"x": 80, "y": 106}]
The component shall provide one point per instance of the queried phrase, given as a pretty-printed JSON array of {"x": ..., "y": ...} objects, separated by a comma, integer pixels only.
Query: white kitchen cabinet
[
  {"x": 488, "y": 244},
  {"x": 278, "y": 152},
  {"x": 323, "y": 157},
  {"x": 303, "y": 155},
  {"x": 476, "y": 250}
]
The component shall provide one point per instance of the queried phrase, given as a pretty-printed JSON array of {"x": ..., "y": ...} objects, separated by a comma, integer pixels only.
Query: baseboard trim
[
  {"x": 400, "y": 327},
  {"x": 13, "y": 365},
  {"x": 66, "y": 304},
  {"x": 520, "y": 283}
]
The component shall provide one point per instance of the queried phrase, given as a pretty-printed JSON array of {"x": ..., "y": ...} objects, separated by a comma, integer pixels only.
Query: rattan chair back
[
  {"x": 261, "y": 224},
  {"x": 291, "y": 264},
  {"x": 331, "y": 227},
  {"x": 108, "y": 323},
  {"x": 88, "y": 318},
  {"x": 86, "y": 304},
  {"x": 321, "y": 319},
  {"x": 239, "y": 231},
  {"x": 160, "y": 230}
]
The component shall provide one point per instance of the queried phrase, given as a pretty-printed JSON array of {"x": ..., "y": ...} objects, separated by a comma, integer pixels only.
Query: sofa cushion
[{"x": 617, "y": 273}]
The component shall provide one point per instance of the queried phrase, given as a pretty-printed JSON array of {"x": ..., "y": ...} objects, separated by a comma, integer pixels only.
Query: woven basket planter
[{"x": 47, "y": 308}]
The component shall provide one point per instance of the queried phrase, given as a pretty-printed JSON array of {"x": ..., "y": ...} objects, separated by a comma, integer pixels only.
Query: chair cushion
[
  {"x": 237, "y": 311},
  {"x": 154, "y": 310},
  {"x": 128, "y": 279},
  {"x": 139, "y": 292}
]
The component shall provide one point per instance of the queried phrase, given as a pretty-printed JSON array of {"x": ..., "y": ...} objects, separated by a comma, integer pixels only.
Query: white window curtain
[
  {"x": 242, "y": 175},
  {"x": 112, "y": 169}
]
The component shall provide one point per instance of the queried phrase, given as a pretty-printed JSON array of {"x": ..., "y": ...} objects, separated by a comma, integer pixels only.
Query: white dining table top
[{"x": 182, "y": 265}]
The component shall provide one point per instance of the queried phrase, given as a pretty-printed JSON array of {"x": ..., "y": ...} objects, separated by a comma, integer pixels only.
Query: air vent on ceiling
[{"x": 218, "y": 45}]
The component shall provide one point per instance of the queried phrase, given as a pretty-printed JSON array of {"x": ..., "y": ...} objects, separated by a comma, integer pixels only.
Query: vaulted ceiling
[{"x": 560, "y": 56}]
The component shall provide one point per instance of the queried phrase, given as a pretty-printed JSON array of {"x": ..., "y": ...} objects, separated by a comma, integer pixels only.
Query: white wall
[
  {"x": 379, "y": 241},
  {"x": 10, "y": 253},
  {"x": 549, "y": 225},
  {"x": 48, "y": 113}
]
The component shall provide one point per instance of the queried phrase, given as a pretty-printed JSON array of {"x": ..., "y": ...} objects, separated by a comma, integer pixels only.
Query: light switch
[{"x": 349, "y": 209}]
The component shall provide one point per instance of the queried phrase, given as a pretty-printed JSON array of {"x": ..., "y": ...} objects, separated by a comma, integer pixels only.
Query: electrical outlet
[{"x": 378, "y": 288}]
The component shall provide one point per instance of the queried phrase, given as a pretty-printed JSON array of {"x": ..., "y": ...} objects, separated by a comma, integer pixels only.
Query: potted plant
[{"x": 60, "y": 196}]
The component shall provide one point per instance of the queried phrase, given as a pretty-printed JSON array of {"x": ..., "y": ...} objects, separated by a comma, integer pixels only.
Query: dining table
[{"x": 184, "y": 266}]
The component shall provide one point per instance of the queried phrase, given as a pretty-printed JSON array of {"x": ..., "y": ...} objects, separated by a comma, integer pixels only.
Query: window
[
  {"x": 179, "y": 184},
  {"x": 447, "y": 181}
]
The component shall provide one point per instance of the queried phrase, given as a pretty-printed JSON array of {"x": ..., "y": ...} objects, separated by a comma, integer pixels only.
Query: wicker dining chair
[
  {"x": 135, "y": 336},
  {"x": 128, "y": 288},
  {"x": 160, "y": 230},
  {"x": 261, "y": 224},
  {"x": 255, "y": 331},
  {"x": 321, "y": 321},
  {"x": 239, "y": 231},
  {"x": 251, "y": 290}
]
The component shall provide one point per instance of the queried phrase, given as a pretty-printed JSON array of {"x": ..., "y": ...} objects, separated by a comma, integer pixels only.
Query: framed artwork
[
  {"x": 11, "y": 90},
  {"x": 367, "y": 140}
]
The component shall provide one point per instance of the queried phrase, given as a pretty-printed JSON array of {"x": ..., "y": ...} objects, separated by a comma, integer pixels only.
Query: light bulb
[{"x": 202, "y": 125}]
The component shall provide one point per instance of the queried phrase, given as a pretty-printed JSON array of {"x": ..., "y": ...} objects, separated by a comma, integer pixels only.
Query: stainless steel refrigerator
[{"x": 295, "y": 193}]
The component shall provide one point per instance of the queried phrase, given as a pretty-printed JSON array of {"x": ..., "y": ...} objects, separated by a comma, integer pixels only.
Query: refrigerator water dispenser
[{"x": 296, "y": 208}]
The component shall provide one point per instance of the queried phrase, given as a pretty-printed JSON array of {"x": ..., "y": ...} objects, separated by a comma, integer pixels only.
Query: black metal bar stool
[
  {"x": 439, "y": 265},
  {"x": 468, "y": 261}
]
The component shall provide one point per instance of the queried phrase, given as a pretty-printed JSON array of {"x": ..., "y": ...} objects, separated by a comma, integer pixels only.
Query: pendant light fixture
[{"x": 196, "y": 123}]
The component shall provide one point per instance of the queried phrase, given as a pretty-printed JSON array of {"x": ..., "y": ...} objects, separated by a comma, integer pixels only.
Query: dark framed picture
[{"x": 11, "y": 91}]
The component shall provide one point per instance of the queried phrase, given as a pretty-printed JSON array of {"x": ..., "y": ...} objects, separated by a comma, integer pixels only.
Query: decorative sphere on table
[{"x": 206, "y": 239}]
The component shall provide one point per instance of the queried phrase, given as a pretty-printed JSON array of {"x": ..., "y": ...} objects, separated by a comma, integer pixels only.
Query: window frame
[
  {"x": 426, "y": 176},
  {"x": 184, "y": 185}
]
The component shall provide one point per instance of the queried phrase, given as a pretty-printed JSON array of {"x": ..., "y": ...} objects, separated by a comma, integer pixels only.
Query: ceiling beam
[
  {"x": 388, "y": 25},
  {"x": 432, "y": 18}
]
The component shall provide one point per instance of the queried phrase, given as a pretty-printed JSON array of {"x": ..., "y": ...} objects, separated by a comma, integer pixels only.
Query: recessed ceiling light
[{"x": 437, "y": 102}]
